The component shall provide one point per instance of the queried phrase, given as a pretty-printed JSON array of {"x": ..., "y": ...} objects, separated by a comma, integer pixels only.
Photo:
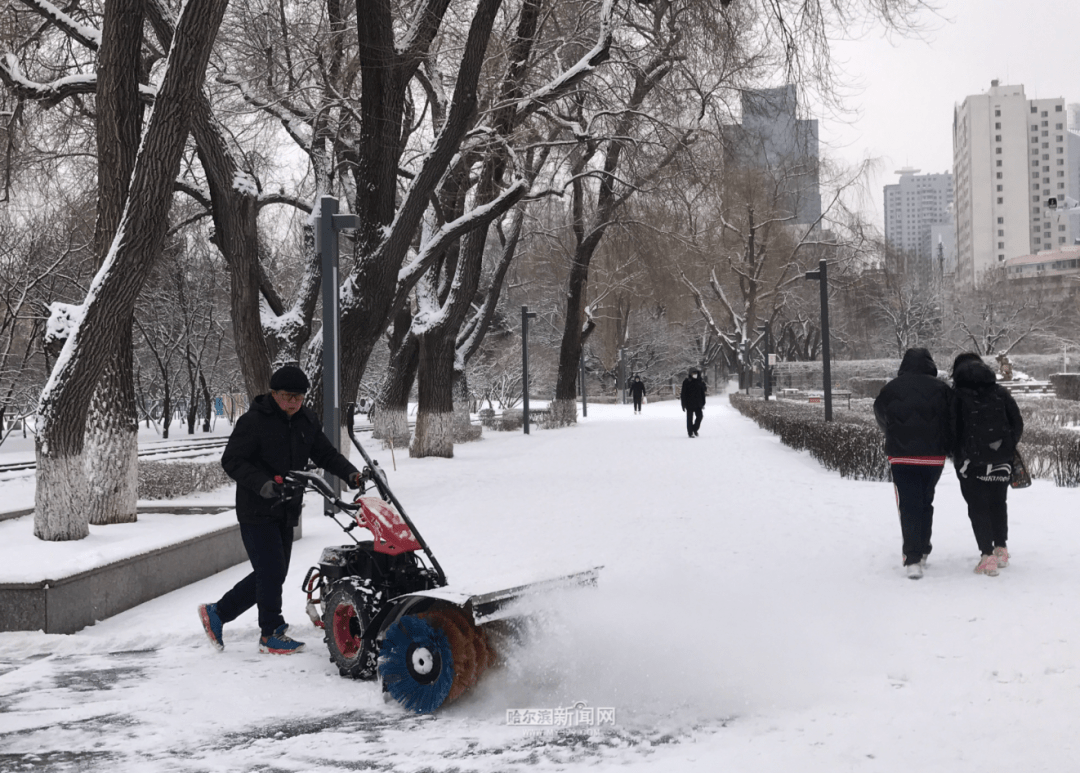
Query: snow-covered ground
[{"x": 752, "y": 615}]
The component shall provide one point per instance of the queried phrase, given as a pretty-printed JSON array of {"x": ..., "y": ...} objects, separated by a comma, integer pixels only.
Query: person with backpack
[
  {"x": 637, "y": 391},
  {"x": 914, "y": 412},
  {"x": 692, "y": 397},
  {"x": 987, "y": 429}
]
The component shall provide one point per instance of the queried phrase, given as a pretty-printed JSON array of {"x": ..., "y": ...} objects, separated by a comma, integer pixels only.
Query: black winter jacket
[
  {"x": 973, "y": 378},
  {"x": 692, "y": 395},
  {"x": 914, "y": 409},
  {"x": 637, "y": 389},
  {"x": 266, "y": 442}
]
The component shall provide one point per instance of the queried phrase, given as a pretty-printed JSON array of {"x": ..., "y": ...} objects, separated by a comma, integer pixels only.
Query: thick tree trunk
[
  {"x": 435, "y": 411},
  {"x": 65, "y": 504},
  {"x": 61, "y": 475},
  {"x": 380, "y": 248},
  {"x": 391, "y": 417},
  {"x": 166, "y": 410},
  {"x": 464, "y": 430},
  {"x": 112, "y": 444},
  {"x": 208, "y": 408},
  {"x": 236, "y": 235},
  {"x": 235, "y": 212},
  {"x": 564, "y": 408}
]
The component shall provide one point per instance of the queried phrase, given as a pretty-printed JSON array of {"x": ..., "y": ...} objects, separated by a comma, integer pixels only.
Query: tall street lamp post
[
  {"x": 526, "y": 315},
  {"x": 826, "y": 376}
]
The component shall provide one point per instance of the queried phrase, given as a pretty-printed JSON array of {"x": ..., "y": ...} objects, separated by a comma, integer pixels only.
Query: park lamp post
[
  {"x": 622, "y": 375},
  {"x": 826, "y": 376},
  {"x": 584, "y": 402},
  {"x": 328, "y": 223},
  {"x": 526, "y": 315}
]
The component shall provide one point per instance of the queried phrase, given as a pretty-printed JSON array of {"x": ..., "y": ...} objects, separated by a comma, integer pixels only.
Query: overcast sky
[{"x": 903, "y": 90}]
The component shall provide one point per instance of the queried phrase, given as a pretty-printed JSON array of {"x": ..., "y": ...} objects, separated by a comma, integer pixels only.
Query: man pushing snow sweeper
[
  {"x": 276, "y": 435},
  {"x": 385, "y": 606}
]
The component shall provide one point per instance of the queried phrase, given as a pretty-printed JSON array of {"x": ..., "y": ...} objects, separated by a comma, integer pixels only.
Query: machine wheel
[
  {"x": 416, "y": 664},
  {"x": 346, "y": 612},
  {"x": 430, "y": 659}
]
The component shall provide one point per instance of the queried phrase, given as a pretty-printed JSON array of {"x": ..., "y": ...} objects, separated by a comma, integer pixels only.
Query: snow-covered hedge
[
  {"x": 807, "y": 375},
  {"x": 168, "y": 480},
  {"x": 849, "y": 444},
  {"x": 1052, "y": 453},
  {"x": 853, "y": 444},
  {"x": 866, "y": 387},
  {"x": 1066, "y": 385}
]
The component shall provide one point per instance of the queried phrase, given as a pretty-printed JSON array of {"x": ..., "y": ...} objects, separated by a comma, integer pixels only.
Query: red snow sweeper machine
[{"x": 386, "y": 608}]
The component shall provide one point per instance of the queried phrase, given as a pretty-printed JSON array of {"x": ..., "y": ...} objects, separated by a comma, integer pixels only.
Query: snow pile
[{"x": 63, "y": 320}]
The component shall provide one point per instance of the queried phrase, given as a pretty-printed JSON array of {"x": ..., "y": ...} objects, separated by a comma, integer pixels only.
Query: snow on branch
[
  {"x": 63, "y": 320},
  {"x": 245, "y": 183},
  {"x": 281, "y": 197},
  {"x": 706, "y": 315},
  {"x": 85, "y": 34},
  {"x": 54, "y": 92},
  {"x": 296, "y": 122},
  {"x": 457, "y": 228},
  {"x": 558, "y": 86}
]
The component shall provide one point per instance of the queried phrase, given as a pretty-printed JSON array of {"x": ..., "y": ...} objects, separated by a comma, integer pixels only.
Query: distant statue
[{"x": 1005, "y": 367}]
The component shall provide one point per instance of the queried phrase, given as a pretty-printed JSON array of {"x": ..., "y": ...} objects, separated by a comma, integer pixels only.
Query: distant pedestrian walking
[
  {"x": 987, "y": 428},
  {"x": 692, "y": 397},
  {"x": 914, "y": 411},
  {"x": 637, "y": 391}
]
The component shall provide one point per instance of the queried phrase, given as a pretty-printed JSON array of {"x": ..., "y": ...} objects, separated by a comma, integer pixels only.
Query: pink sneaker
[
  {"x": 988, "y": 566},
  {"x": 1002, "y": 556}
]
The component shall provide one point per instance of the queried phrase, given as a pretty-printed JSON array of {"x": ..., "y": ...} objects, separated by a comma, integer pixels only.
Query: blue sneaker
[
  {"x": 212, "y": 623},
  {"x": 279, "y": 643}
]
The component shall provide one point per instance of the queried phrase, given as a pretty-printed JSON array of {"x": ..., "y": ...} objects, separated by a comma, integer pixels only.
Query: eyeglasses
[{"x": 290, "y": 397}]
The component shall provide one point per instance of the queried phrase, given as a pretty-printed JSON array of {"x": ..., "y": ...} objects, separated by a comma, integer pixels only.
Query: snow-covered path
[{"x": 752, "y": 616}]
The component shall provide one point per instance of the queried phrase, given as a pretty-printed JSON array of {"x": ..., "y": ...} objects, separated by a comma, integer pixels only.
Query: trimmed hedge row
[
  {"x": 853, "y": 444},
  {"x": 1052, "y": 453},
  {"x": 866, "y": 387},
  {"x": 1066, "y": 385},
  {"x": 848, "y": 445},
  {"x": 167, "y": 480}
]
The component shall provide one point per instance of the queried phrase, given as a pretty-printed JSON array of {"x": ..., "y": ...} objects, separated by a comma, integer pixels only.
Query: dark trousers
[
  {"x": 637, "y": 403},
  {"x": 693, "y": 420},
  {"x": 988, "y": 511},
  {"x": 914, "y": 484},
  {"x": 269, "y": 546}
]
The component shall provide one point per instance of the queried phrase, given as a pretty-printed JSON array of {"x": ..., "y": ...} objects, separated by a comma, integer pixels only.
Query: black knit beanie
[{"x": 289, "y": 378}]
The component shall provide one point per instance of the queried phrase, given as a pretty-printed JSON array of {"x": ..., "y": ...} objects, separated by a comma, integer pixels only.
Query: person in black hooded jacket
[
  {"x": 914, "y": 411},
  {"x": 637, "y": 392},
  {"x": 692, "y": 398},
  {"x": 987, "y": 426},
  {"x": 278, "y": 433}
]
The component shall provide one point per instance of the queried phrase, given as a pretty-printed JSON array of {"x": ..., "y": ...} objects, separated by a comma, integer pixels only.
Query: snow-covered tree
[{"x": 96, "y": 337}]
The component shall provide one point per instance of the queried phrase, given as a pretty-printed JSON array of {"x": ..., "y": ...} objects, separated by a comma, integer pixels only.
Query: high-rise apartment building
[
  {"x": 772, "y": 137},
  {"x": 1010, "y": 155},
  {"x": 919, "y": 221}
]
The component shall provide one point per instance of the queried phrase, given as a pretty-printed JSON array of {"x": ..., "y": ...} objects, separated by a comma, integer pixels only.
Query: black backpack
[{"x": 986, "y": 433}]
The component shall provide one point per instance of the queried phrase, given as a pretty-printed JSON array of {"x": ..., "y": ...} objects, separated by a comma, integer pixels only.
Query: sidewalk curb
[{"x": 72, "y": 603}]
